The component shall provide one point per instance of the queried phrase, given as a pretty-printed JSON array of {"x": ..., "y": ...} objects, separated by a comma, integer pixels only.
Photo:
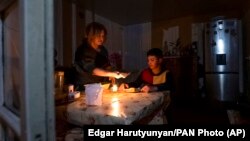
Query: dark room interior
[{"x": 205, "y": 48}]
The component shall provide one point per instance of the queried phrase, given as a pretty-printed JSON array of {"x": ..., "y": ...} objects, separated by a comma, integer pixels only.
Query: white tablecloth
[{"x": 116, "y": 108}]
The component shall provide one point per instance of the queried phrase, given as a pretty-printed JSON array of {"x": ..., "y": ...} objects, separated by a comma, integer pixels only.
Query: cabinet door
[{"x": 184, "y": 70}]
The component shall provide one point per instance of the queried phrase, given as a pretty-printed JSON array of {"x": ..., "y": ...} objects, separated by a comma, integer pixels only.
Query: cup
[{"x": 93, "y": 94}]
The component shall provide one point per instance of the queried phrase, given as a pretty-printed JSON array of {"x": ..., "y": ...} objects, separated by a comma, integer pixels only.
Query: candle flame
[
  {"x": 114, "y": 88},
  {"x": 115, "y": 107}
]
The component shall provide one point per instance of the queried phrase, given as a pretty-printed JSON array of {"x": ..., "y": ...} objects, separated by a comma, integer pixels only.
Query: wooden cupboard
[{"x": 185, "y": 78}]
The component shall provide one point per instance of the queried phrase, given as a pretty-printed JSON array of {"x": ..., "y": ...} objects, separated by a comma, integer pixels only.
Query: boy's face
[{"x": 153, "y": 62}]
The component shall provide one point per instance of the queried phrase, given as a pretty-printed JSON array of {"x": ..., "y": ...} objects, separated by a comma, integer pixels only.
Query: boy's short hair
[{"x": 155, "y": 52}]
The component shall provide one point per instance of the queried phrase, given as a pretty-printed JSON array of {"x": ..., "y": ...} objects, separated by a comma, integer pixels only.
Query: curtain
[{"x": 137, "y": 42}]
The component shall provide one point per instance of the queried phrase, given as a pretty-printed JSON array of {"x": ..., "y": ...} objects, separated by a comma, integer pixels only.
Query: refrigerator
[{"x": 223, "y": 59}]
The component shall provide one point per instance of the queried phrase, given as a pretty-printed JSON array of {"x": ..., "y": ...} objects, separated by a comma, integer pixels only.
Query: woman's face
[
  {"x": 153, "y": 62},
  {"x": 98, "y": 39}
]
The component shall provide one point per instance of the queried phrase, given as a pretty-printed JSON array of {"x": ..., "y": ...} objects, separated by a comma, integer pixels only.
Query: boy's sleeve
[
  {"x": 137, "y": 83},
  {"x": 168, "y": 84}
]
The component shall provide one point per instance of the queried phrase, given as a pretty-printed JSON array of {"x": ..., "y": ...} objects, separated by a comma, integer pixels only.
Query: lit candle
[
  {"x": 114, "y": 88},
  {"x": 115, "y": 107}
]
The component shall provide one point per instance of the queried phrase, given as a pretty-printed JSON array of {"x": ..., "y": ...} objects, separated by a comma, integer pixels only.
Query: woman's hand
[
  {"x": 124, "y": 75},
  {"x": 119, "y": 75}
]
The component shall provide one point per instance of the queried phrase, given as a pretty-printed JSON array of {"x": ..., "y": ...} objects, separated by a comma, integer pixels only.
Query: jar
[{"x": 59, "y": 81}]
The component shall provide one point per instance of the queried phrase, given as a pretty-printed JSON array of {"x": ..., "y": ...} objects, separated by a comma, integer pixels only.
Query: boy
[{"x": 153, "y": 78}]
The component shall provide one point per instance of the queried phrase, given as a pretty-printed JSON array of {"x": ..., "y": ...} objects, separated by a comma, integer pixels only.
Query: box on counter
[{"x": 73, "y": 95}]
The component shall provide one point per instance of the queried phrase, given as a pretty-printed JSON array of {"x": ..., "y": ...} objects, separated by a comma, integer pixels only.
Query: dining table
[{"x": 119, "y": 108}]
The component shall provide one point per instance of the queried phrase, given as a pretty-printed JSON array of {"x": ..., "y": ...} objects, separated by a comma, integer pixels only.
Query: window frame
[{"x": 36, "y": 121}]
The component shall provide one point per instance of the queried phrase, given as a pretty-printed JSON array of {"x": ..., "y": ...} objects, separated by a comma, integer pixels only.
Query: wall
[
  {"x": 246, "y": 44},
  {"x": 168, "y": 13},
  {"x": 185, "y": 27},
  {"x": 136, "y": 44},
  {"x": 69, "y": 30},
  {"x": 246, "y": 31},
  {"x": 184, "y": 30}
]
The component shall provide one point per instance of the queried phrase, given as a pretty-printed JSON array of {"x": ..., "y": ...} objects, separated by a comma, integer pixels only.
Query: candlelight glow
[
  {"x": 114, "y": 88},
  {"x": 115, "y": 107}
]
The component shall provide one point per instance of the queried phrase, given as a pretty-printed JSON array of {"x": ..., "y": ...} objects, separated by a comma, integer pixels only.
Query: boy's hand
[
  {"x": 148, "y": 88},
  {"x": 145, "y": 89}
]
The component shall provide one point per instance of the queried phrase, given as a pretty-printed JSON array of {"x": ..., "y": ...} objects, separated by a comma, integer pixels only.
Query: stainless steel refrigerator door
[
  {"x": 222, "y": 87},
  {"x": 222, "y": 47},
  {"x": 222, "y": 69}
]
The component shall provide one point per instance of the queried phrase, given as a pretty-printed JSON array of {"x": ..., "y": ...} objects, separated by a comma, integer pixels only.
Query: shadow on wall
[{"x": 116, "y": 60}]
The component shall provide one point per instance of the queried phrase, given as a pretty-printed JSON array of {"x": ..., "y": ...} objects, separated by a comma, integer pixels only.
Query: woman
[{"x": 91, "y": 58}]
